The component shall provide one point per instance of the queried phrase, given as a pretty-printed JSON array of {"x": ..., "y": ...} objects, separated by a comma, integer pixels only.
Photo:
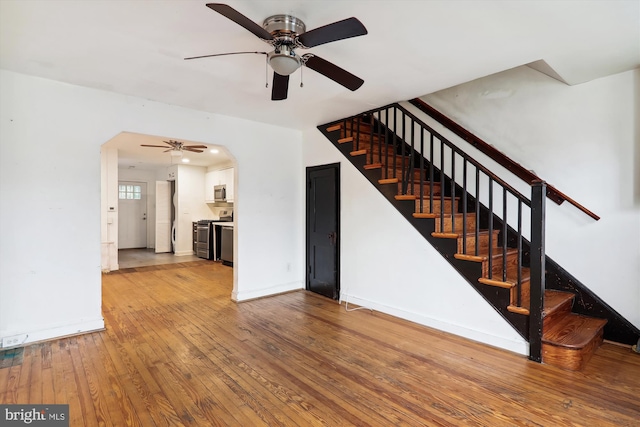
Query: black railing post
[{"x": 538, "y": 196}]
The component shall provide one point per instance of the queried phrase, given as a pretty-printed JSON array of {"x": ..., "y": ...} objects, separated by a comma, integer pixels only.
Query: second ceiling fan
[{"x": 286, "y": 33}]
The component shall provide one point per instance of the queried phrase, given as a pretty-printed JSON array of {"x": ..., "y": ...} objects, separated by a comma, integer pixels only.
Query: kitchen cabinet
[
  {"x": 219, "y": 177},
  {"x": 210, "y": 179}
]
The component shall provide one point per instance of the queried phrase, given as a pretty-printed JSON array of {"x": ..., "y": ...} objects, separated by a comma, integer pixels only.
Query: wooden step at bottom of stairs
[{"x": 571, "y": 340}]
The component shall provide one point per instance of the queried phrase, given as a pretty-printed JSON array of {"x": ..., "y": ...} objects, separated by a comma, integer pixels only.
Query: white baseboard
[
  {"x": 58, "y": 332},
  {"x": 520, "y": 347},
  {"x": 265, "y": 292}
]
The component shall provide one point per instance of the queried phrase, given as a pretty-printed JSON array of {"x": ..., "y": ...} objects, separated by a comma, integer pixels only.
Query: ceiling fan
[
  {"x": 178, "y": 147},
  {"x": 286, "y": 33}
]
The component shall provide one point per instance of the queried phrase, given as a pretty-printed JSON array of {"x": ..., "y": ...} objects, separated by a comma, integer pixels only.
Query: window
[{"x": 129, "y": 192}]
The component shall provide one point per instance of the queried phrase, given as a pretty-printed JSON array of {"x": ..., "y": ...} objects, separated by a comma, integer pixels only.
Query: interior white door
[
  {"x": 163, "y": 216},
  {"x": 132, "y": 215}
]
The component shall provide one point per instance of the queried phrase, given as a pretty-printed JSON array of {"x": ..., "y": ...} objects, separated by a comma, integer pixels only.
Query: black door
[{"x": 323, "y": 227}]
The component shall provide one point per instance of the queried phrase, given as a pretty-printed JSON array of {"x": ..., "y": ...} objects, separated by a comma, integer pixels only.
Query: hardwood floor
[{"x": 178, "y": 352}]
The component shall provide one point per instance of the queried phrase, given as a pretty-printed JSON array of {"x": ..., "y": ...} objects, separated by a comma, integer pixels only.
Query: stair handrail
[{"x": 517, "y": 169}]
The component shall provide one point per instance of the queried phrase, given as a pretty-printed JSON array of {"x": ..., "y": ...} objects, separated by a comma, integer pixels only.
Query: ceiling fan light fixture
[
  {"x": 284, "y": 60},
  {"x": 176, "y": 153}
]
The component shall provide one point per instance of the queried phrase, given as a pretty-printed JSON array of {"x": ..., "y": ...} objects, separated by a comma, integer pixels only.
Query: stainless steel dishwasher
[{"x": 226, "y": 243}]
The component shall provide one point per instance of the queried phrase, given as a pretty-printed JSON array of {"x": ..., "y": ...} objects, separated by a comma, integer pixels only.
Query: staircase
[{"x": 476, "y": 222}]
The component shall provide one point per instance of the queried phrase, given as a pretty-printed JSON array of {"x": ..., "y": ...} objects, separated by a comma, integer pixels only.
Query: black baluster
[
  {"x": 464, "y": 205},
  {"x": 490, "y": 228},
  {"x": 504, "y": 234}
]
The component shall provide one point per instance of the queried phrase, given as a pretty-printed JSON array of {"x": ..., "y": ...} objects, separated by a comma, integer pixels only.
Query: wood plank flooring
[{"x": 178, "y": 352}]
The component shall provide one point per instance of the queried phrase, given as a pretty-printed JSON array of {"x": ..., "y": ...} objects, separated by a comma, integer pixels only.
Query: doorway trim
[{"x": 336, "y": 168}]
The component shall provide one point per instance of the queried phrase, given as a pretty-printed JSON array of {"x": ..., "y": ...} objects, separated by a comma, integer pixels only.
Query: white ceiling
[{"x": 413, "y": 48}]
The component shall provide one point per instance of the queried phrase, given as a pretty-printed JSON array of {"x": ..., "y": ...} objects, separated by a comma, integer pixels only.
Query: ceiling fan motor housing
[{"x": 285, "y": 29}]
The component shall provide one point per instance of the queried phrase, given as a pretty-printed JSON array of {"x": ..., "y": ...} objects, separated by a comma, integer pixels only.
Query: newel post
[{"x": 538, "y": 197}]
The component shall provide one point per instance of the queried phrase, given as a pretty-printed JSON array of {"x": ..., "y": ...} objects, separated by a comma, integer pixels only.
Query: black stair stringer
[{"x": 498, "y": 298}]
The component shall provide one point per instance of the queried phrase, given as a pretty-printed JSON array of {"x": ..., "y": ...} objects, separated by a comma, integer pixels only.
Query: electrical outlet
[{"x": 13, "y": 341}]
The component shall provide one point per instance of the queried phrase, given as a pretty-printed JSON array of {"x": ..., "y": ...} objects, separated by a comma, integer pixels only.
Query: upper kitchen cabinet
[{"x": 219, "y": 177}]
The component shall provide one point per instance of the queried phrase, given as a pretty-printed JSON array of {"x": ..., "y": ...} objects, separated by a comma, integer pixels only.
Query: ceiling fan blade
[
  {"x": 240, "y": 19},
  {"x": 195, "y": 146},
  {"x": 280, "y": 87},
  {"x": 192, "y": 149},
  {"x": 223, "y": 54},
  {"x": 159, "y": 146},
  {"x": 334, "y": 72},
  {"x": 340, "y": 30}
]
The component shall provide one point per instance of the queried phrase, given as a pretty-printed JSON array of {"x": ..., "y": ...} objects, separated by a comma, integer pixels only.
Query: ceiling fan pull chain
[
  {"x": 301, "y": 84},
  {"x": 266, "y": 71}
]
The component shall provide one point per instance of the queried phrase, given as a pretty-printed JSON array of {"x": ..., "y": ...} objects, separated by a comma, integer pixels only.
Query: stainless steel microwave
[{"x": 220, "y": 193}]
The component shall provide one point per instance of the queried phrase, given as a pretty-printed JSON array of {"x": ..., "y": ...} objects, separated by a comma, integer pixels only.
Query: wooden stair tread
[
  {"x": 457, "y": 234},
  {"x": 373, "y": 166},
  {"x": 345, "y": 140},
  {"x": 518, "y": 310},
  {"x": 358, "y": 152},
  {"x": 554, "y": 299},
  {"x": 388, "y": 181},
  {"x": 511, "y": 281},
  {"x": 425, "y": 215},
  {"x": 444, "y": 235},
  {"x": 573, "y": 331},
  {"x": 484, "y": 256}
]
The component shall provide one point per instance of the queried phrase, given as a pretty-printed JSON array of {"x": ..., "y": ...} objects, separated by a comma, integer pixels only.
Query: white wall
[
  {"x": 584, "y": 140},
  {"x": 388, "y": 266},
  {"x": 50, "y": 210}
]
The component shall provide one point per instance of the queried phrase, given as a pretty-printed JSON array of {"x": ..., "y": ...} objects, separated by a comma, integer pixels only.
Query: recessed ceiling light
[
  {"x": 214, "y": 151},
  {"x": 185, "y": 160}
]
